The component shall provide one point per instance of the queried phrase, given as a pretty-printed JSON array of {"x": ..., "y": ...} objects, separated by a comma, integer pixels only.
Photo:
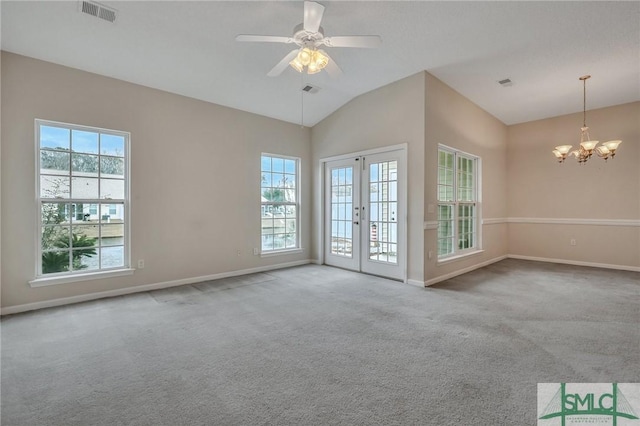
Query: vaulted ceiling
[{"x": 189, "y": 48}]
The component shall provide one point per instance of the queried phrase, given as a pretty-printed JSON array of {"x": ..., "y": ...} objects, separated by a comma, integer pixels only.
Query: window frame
[
  {"x": 42, "y": 279},
  {"x": 297, "y": 204},
  {"x": 455, "y": 204}
]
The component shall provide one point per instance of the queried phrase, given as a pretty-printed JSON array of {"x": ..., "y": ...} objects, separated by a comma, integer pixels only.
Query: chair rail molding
[{"x": 575, "y": 221}]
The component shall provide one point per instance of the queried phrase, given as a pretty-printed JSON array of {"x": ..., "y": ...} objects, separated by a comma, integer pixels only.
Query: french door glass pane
[
  {"x": 341, "y": 211},
  {"x": 383, "y": 208}
]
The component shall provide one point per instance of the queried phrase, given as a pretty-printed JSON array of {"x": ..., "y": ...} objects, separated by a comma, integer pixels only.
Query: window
[
  {"x": 457, "y": 202},
  {"x": 280, "y": 206},
  {"x": 82, "y": 199}
]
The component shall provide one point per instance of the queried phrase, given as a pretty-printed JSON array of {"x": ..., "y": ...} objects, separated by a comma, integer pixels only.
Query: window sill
[
  {"x": 281, "y": 252},
  {"x": 449, "y": 259},
  {"x": 64, "y": 279}
]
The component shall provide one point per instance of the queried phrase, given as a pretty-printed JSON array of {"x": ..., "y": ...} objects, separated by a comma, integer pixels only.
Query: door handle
[{"x": 356, "y": 223}]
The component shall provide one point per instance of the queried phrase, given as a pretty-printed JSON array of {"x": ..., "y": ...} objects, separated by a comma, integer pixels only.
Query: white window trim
[
  {"x": 462, "y": 254},
  {"x": 298, "y": 248},
  {"x": 46, "y": 280},
  {"x": 82, "y": 275}
]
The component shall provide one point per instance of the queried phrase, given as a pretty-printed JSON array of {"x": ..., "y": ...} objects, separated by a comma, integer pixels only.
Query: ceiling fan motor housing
[{"x": 304, "y": 38}]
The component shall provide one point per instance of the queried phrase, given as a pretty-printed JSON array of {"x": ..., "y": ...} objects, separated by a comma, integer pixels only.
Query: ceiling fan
[{"x": 309, "y": 37}]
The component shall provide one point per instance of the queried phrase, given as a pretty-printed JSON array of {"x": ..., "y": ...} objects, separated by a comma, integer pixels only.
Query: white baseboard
[
  {"x": 416, "y": 283},
  {"x": 450, "y": 275},
  {"x": 8, "y": 310},
  {"x": 576, "y": 263}
]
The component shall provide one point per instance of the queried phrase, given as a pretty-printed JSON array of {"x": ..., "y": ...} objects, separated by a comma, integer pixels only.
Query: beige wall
[
  {"x": 539, "y": 188},
  {"x": 194, "y": 176},
  {"x": 195, "y": 179},
  {"x": 453, "y": 120},
  {"x": 390, "y": 115}
]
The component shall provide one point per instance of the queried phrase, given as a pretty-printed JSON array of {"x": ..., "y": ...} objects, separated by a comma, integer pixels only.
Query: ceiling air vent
[
  {"x": 506, "y": 82},
  {"x": 98, "y": 10},
  {"x": 310, "y": 89}
]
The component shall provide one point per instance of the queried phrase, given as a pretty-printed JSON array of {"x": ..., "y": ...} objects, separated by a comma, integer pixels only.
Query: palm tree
[{"x": 58, "y": 261}]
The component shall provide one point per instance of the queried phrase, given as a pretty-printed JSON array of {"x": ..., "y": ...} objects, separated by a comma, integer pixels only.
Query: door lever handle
[{"x": 356, "y": 223}]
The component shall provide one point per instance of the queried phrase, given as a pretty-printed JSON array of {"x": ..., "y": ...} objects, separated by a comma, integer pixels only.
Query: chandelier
[
  {"x": 587, "y": 146},
  {"x": 313, "y": 59}
]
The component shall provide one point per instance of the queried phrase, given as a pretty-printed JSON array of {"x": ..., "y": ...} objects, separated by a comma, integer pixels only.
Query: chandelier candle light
[{"x": 587, "y": 146}]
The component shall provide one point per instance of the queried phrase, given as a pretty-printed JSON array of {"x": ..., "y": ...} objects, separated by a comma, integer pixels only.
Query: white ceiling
[{"x": 189, "y": 48}]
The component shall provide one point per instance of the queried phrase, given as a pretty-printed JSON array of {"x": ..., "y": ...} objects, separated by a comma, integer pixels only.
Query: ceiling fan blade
[
  {"x": 353, "y": 41},
  {"x": 282, "y": 65},
  {"x": 332, "y": 68},
  {"x": 312, "y": 16},
  {"x": 263, "y": 38}
]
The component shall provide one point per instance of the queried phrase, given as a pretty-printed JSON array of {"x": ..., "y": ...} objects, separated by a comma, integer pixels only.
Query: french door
[{"x": 365, "y": 206}]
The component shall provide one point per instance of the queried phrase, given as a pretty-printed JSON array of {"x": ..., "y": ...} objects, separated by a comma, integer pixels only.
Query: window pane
[
  {"x": 55, "y": 237},
  {"x": 84, "y": 236},
  {"x": 54, "y": 186},
  {"x": 85, "y": 259},
  {"x": 82, "y": 141},
  {"x": 290, "y": 194},
  {"x": 273, "y": 194},
  {"x": 112, "y": 257},
  {"x": 112, "y": 167},
  {"x": 112, "y": 235},
  {"x": 290, "y": 166},
  {"x": 112, "y": 145},
  {"x": 54, "y": 162},
  {"x": 54, "y": 137},
  {"x": 84, "y": 165},
  {"x": 112, "y": 213},
  {"x": 265, "y": 163},
  {"x": 55, "y": 261},
  {"x": 265, "y": 182},
  {"x": 267, "y": 242},
  {"x": 112, "y": 189},
  {"x": 84, "y": 187},
  {"x": 55, "y": 213},
  {"x": 277, "y": 164}
]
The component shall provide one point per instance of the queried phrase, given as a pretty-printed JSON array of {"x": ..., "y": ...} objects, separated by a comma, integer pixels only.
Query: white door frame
[{"x": 403, "y": 147}]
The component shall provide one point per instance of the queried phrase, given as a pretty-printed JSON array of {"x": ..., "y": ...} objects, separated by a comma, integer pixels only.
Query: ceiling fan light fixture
[
  {"x": 309, "y": 36},
  {"x": 305, "y": 56},
  {"x": 296, "y": 65},
  {"x": 320, "y": 60},
  {"x": 313, "y": 68}
]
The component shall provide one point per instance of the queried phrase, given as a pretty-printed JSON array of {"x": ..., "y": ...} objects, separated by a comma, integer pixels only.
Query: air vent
[
  {"x": 98, "y": 10},
  {"x": 310, "y": 89},
  {"x": 506, "y": 82}
]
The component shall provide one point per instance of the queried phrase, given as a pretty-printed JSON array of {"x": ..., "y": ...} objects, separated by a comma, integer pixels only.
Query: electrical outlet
[
  {"x": 573, "y": 242},
  {"x": 430, "y": 254},
  {"x": 255, "y": 251},
  {"x": 239, "y": 253},
  {"x": 141, "y": 264}
]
